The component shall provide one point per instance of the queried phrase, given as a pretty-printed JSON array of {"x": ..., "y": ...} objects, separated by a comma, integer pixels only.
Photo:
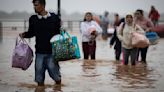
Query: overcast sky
[{"x": 97, "y": 6}]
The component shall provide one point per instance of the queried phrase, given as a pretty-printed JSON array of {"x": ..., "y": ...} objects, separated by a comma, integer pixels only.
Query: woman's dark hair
[
  {"x": 88, "y": 13},
  {"x": 43, "y": 2},
  {"x": 116, "y": 14},
  {"x": 140, "y": 11}
]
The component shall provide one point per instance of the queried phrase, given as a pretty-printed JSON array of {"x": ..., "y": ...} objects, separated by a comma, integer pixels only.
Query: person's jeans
[
  {"x": 132, "y": 53},
  {"x": 45, "y": 62}
]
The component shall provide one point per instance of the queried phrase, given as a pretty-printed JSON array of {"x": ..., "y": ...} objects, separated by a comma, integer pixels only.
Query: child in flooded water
[
  {"x": 125, "y": 36},
  {"x": 89, "y": 30}
]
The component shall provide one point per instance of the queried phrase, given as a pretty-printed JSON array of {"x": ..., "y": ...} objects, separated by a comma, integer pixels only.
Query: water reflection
[
  {"x": 57, "y": 88},
  {"x": 46, "y": 88},
  {"x": 40, "y": 89},
  {"x": 138, "y": 76},
  {"x": 54, "y": 88},
  {"x": 89, "y": 68}
]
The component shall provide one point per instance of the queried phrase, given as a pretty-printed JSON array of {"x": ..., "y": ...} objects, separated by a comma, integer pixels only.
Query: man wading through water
[{"x": 44, "y": 26}]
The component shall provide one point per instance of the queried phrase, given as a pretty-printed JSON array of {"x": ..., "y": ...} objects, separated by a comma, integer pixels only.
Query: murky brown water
[{"x": 102, "y": 75}]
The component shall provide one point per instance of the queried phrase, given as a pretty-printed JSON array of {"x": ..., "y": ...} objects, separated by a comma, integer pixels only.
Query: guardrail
[
  {"x": 13, "y": 24},
  {"x": 22, "y": 25}
]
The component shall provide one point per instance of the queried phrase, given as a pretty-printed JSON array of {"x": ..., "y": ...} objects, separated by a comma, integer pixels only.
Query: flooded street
[{"x": 102, "y": 75}]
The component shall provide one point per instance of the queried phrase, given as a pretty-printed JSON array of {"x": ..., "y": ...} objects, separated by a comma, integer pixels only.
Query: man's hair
[
  {"x": 116, "y": 14},
  {"x": 43, "y": 2},
  {"x": 140, "y": 11},
  {"x": 106, "y": 13}
]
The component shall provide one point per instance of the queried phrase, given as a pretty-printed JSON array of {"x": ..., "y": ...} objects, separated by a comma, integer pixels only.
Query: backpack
[{"x": 123, "y": 26}]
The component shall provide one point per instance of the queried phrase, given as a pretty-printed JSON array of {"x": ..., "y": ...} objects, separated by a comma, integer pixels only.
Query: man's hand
[
  {"x": 22, "y": 35},
  {"x": 110, "y": 46}
]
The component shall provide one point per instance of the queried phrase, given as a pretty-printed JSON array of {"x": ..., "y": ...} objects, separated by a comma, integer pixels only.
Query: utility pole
[
  {"x": 59, "y": 8},
  {"x": 1, "y": 31}
]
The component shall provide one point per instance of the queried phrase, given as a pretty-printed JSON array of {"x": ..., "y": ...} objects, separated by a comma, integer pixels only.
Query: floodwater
[{"x": 102, "y": 75}]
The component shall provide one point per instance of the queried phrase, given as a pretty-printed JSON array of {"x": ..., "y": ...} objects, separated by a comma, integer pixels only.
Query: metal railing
[{"x": 22, "y": 25}]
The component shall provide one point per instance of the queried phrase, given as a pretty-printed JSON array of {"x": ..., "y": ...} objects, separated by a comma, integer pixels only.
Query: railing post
[
  {"x": 1, "y": 31},
  {"x": 70, "y": 25},
  {"x": 59, "y": 8},
  {"x": 24, "y": 25}
]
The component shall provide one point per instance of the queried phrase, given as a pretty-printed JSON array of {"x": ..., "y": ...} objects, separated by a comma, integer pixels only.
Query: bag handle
[
  {"x": 20, "y": 39},
  {"x": 63, "y": 32}
]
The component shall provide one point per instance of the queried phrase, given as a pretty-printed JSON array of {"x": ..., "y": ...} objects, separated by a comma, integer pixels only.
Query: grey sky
[{"x": 97, "y": 6}]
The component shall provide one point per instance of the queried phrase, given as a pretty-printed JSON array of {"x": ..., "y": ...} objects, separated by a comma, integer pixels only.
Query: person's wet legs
[
  {"x": 40, "y": 69},
  {"x": 117, "y": 54},
  {"x": 53, "y": 69},
  {"x": 85, "y": 50},
  {"x": 126, "y": 56},
  {"x": 133, "y": 56},
  {"x": 92, "y": 51},
  {"x": 144, "y": 54}
]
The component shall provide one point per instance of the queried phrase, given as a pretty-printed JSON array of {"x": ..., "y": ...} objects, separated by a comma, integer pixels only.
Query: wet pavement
[{"x": 102, "y": 75}]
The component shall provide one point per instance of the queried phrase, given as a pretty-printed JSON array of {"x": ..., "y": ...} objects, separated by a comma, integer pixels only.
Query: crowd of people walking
[
  {"x": 44, "y": 25},
  {"x": 122, "y": 35}
]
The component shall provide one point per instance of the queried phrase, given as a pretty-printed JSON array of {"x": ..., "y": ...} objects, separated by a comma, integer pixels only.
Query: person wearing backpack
[
  {"x": 147, "y": 25},
  {"x": 125, "y": 36},
  {"x": 114, "y": 39},
  {"x": 43, "y": 26}
]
